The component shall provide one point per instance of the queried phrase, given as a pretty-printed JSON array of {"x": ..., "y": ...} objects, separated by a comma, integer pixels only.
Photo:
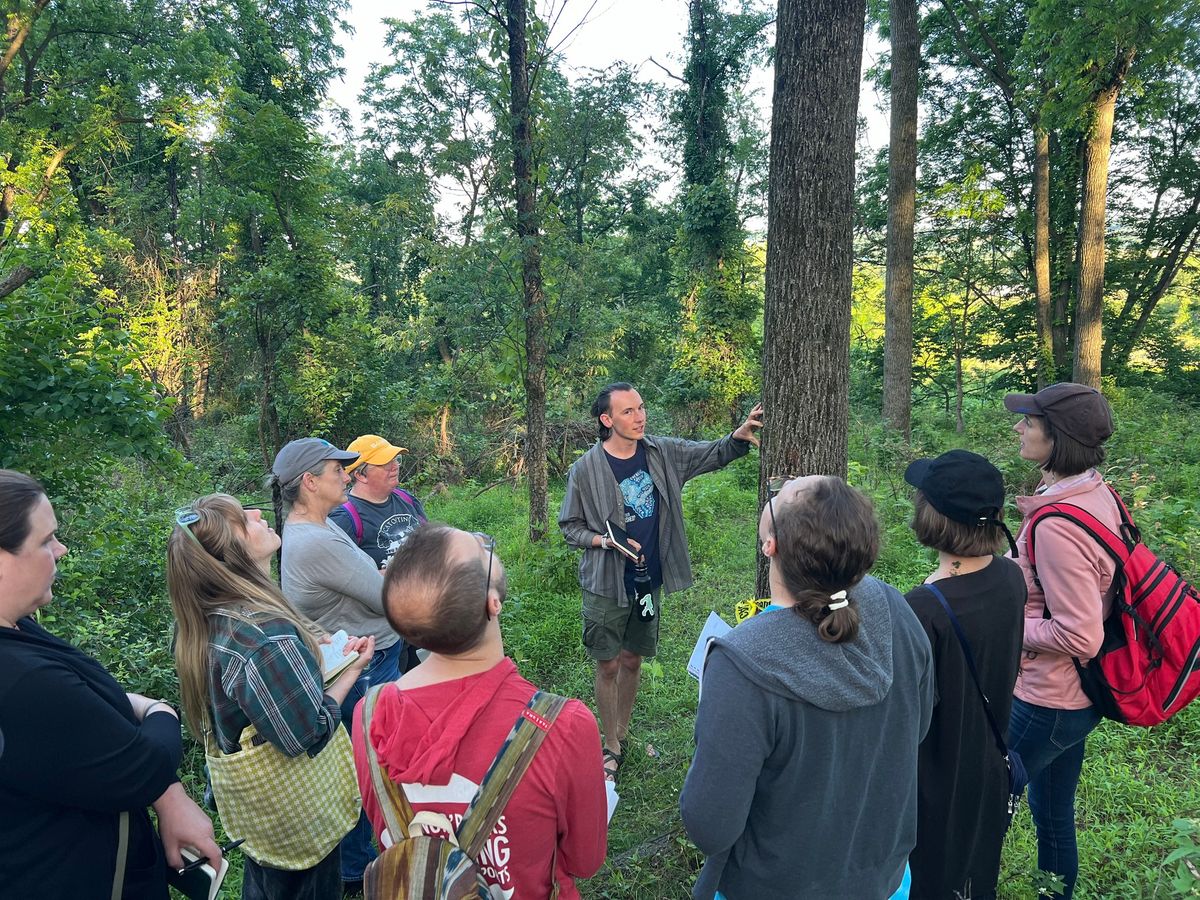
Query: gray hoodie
[{"x": 804, "y": 780}]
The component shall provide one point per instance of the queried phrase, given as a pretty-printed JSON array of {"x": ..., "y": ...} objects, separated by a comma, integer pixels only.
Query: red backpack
[{"x": 1148, "y": 667}]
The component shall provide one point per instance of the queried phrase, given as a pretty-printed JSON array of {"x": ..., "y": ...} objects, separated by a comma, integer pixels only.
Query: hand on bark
[{"x": 754, "y": 421}]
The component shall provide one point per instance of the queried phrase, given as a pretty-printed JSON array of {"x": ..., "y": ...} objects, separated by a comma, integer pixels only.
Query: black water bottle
[
  {"x": 641, "y": 578},
  {"x": 643, "y": 595}
]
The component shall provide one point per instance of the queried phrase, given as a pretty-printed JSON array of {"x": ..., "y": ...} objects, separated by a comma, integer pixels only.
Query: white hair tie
[{"x": 840, "y": 601}]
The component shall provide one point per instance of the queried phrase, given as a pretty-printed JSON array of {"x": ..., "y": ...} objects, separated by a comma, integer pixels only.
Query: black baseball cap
[
  {"x": 1078, "y": 411},
  {"x": 961, "y": 485}
]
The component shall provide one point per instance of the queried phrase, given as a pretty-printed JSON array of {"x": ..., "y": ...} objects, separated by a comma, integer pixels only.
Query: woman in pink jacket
[{"x": 1063, "y": 431}]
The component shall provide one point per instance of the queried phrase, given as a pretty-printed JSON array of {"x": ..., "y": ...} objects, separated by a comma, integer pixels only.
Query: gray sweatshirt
[
  {"x": 804, "y": 781},
  {"x": 594, "y": 496},
  {"x": 327, "y": 577}
]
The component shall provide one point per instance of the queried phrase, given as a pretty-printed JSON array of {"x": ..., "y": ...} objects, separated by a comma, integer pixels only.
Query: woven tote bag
[{"x": 291, "y": 811}]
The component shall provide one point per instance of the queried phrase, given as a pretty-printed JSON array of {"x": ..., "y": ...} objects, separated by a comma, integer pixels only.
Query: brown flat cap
[{"x": 1078, "y": 411}]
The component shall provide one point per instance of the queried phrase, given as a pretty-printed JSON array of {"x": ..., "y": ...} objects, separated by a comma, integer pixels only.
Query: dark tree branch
[
  {"x": 18, "y": 32},
  {"x": 14, "y": 279},
  {"x": 668, "y": 72}
]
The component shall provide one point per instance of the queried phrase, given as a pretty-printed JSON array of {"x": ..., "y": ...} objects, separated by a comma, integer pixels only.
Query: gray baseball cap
[{"x": 298, "y": 457}]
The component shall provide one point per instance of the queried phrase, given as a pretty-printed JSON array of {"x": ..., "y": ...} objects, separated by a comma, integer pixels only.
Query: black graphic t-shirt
[
  {"x": 641, "y": 512},
  {"x": 385, "y": 526}
]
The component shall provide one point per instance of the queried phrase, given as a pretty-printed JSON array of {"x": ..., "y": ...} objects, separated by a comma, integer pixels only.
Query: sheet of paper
[
  {"x": 610, "y": 790},
  {"x": 714, "y": 627}
]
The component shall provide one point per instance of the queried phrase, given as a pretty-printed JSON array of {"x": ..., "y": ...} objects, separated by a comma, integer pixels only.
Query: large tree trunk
[
  {"x": 1046, "y": 373},
  {"x": 529, "y": 234},
  {"x": 1064, "y": 274},
  {"x": 1089, "y": 298},
  {"x": 806, "y": 341},
  {"x": 902, "y": 192}
]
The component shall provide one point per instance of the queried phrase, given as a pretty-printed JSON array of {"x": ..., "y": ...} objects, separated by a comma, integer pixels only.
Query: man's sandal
[{"x": 612, "y": 764}]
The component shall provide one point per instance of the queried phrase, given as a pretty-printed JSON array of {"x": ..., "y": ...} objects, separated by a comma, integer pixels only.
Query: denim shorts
[{"x": 609, "y": 628}]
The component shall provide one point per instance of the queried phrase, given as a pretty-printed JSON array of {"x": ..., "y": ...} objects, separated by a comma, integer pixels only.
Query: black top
[
  {"x": 385, "y": 526},
  {"x": 641, "y": 512},
  {"x": 74, "y": 757},
  {"x": 962, "y": 780}
]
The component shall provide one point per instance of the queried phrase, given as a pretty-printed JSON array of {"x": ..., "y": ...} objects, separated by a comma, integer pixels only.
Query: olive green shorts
[{"x": 608, "y": 628}]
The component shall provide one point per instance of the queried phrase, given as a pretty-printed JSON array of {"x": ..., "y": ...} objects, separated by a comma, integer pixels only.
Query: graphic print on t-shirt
[
  {"x": 451, "y": 800},
  {"x": 638, "y": 491},
  {"x": 395, "y": 531}
]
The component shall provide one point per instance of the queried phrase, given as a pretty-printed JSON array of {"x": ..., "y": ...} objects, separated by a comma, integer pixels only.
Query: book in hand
[
  {"x": 201, "y": 882},
  {"x": 619, "y": 539},
  {"x": 334, "y": 658}
]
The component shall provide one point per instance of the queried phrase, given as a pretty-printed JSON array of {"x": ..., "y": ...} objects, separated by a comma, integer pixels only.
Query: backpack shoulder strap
[
  {"x": 409, "y": 499},
  {"x": 507, "y": 769},
  {"x": 1115, "y": 545},
  {"x": 397, "y": 812},
  {"x": 352, "y": 511},
  {"x": 970, "y": 658}
]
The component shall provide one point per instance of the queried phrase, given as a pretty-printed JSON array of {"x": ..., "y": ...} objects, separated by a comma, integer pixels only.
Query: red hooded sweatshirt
[{"x": 438, "y": 741}]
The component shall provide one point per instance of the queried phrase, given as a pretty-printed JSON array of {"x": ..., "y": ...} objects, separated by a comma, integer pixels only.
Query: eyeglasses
[
  {"x": 488, "y": 543},
  {"x": 775, "y": 484}
]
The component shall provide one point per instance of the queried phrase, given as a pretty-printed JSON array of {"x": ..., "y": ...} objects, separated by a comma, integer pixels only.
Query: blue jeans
[
  {"x": 357, "y": 849},
  {"x": 1051, "y": 744}
]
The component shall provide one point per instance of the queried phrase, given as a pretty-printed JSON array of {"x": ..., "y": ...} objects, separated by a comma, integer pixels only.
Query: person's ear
[
  {"x": 604, "y": 416},
  {"x": 494, "y": 602},
  {"x": 769, "y": 547}
]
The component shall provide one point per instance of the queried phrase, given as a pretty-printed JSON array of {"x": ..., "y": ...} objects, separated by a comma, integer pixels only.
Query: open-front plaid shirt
[{"x": 261, "y": 674}]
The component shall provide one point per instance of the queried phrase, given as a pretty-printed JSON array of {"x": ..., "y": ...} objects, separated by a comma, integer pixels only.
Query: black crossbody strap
[{"x": 970, "y": 658}]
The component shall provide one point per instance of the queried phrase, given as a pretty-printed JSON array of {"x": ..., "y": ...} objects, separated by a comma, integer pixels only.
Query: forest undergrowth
[{"x": 111, "y": 601}]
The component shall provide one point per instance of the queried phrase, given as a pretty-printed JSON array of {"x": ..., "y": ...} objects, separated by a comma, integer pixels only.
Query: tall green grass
[{"x": 112, "y": 601}]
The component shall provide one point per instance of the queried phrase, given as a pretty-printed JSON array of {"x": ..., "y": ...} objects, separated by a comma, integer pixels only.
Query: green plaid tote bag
[{"x": 291, "y": 811}]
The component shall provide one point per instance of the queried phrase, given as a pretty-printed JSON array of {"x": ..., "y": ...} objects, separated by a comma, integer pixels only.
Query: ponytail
[{"x": 836, "y": 619}]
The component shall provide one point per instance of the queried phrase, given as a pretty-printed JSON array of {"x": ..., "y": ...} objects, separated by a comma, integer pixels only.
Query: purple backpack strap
[
  {"x": 409, "y": 498},
  {"x": 356, "y": 519}
]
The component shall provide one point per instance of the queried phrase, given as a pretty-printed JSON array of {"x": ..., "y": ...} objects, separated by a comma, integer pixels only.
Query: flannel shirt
[
  {"x": 593, "y": 496},
  {"x": 261, "y": 674}
]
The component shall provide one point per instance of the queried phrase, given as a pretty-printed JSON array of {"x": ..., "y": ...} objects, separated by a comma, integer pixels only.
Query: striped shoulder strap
[
  {"x": 507, "y": 769},
  {"x": 397, "y": 811}
]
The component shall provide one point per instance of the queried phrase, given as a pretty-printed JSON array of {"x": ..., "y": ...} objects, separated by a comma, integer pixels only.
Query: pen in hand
[{"x": 225, "y": 848}]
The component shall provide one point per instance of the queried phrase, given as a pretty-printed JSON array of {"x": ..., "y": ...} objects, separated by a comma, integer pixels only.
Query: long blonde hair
[{"x": 210, "y": 571}]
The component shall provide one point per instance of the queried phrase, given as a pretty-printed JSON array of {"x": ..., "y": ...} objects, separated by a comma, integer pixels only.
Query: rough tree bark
[
  {"x": 902, "y": 191},
  {"x": 1041, "y": 258},
  {"x": 1089, "y": 302},
  {"x": 529, "y": 234},
  {"x": 806, "y": 341}
]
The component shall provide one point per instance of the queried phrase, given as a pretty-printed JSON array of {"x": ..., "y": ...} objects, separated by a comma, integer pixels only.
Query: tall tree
[
  {"x": 528, "y": 229},
  {"x": 806, "y": 346},
  {"x": 1089, "y": 253},
  {"x": 902, "y": 193}
]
